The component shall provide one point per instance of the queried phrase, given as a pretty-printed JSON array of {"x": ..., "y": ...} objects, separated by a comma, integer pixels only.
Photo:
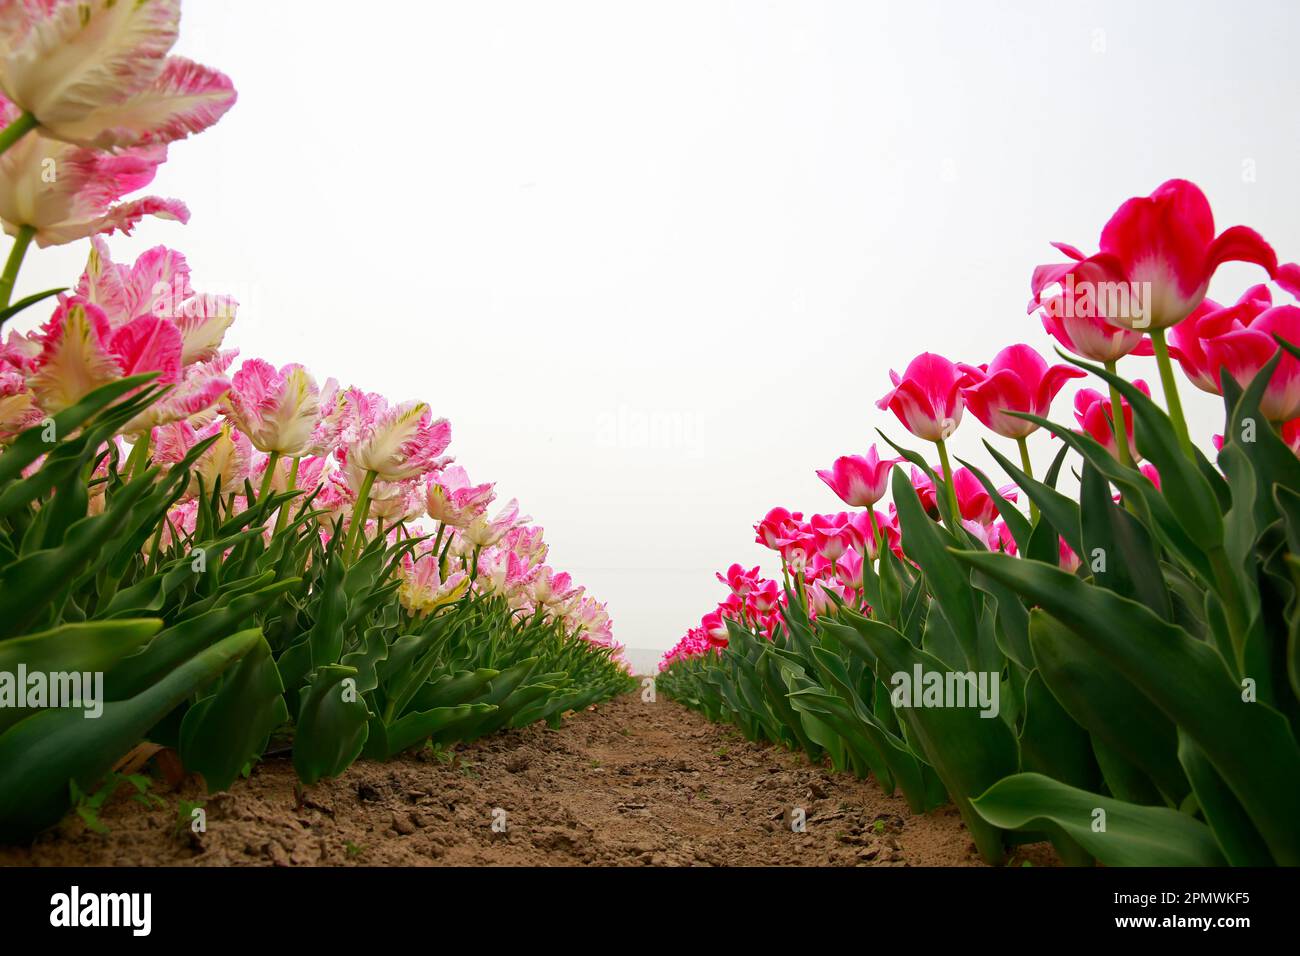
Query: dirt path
[{"x": 624, "y": 783}]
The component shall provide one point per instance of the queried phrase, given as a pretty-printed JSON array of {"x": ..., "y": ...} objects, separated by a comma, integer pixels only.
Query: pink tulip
[
  {"x": 158, "y": 284},
  {"x": 715, "y": 629},
  {"x": 98, "y": 74},
  {"x": 833, "y": 535},
  {"x": 81, "y": 351},
  {"x": 484, "y": 532},
  {"x": 1157, "y": 256},
  {"x": 738, "y": 579},
  {"x": 860, "y": 482},
  {"x": 201, "y": 387},
  {"x": 1068, "y": 559},
  {"x": 1089, "y": 335},
  {"x": 869, "y": 525},
  {"x": 527, "y": 542},
  {"x": 422, "y": 589},
  {"x": 397, "y": 442},
  {"x": 848, "y": 569},
  {"x": 83, "y": 199},
  {"x": 775, "y": 526},
  {"x": 228, "y": 461},
  {"x": 1005, "y": 540},
  {"x": 1291, "y": 434},
  {"x": 1288, "y": 277},
  {"x": 452, "y": 500},
  {"x": 1244, "y": 350},
  {"x": 18, "y": 408},
  {"x": 549, "y": 589},
  {"x": 1017, "y": 380},
  {"x": 1188, "y": 339},
  {"x": 277, "y": 410},
  {"x": 974, "y": 501},
  {"x": 767, "y": 597},
  {"x": 1092, "y": 410},
  {"x": 927, "y": 397}
]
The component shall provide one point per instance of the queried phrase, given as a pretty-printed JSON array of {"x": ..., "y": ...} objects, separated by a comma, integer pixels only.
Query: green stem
[
  {"x": 16, "y": 130},
  {"x": 1170, "y": 386},
  {"x": 1027, "y": 467},
  {"x": 139, "y": 456},
  {"x": 946, "y": 465},
  {"x": 12, "y": 264},
  {"x": 1117, "y": 425},
  {"x": 293, "y": 486},
  {"x": 359, "y": 513},
  {"x": 268, "y": 475}
]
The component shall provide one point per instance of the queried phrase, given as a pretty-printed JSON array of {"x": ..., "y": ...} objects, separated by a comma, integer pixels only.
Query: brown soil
[{"x": 624, "y": 783}]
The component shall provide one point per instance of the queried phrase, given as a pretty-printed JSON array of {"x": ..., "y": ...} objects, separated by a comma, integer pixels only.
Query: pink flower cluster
[
  {"x": 1157, "y": 256},
  {"x": 92, "y": 92}
]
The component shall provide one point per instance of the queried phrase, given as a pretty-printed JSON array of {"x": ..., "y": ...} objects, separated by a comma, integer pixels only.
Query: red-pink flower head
[
  {"x": 859, "y": 481},
  {"x": 1157, "y": 256},
  {"x": 1017, "y": 380},
  {"x": 926, "y": 398}
]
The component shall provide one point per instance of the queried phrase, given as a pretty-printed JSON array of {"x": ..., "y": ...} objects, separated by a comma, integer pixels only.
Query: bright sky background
[{"x": 654, "y": 260}]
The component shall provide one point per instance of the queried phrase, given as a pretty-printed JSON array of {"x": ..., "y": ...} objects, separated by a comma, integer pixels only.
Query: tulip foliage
[
  {"x": 248, "y": 560},
  {"x": 1116, "y": 670}
]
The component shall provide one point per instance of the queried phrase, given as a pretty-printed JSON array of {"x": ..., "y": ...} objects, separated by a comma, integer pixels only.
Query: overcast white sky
[{"x": 654, "y": 260}]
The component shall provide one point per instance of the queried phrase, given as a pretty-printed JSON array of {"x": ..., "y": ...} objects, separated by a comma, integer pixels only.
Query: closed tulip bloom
[
  {"x": 714, "y": 629},
  {"x": 1187, "y": 340},
  {"x": 974, "y": 501},
  {"x": 926, "y": 398},
  {"x": 1245, "y": 350},
  {"x": 860, "y": 481},
  {"x": 833, "y": 535},
  {"x": 766, "y": 597},
  {"x": 1017, "y": 380},
  {"x": 1087, "y": 334},
  {"x": 1092, "y": 410}
]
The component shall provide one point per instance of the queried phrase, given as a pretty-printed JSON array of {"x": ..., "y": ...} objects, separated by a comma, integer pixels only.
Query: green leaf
[
  {"x": 969, "y": 752},
  {"x": 1133, "y": 835},
  {"x": 1250, "y": 744},
  {"x": 333, "y": 723},
  {"x": 39, "y": 755},
  {"x": 222, "y": 733}
]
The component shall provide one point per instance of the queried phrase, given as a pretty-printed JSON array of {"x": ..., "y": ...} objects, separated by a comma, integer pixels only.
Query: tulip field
[
  {"x": 1113, "y": 668},
  {"x": 244, "y": 557},
  {"x": 214, "y": 567}
]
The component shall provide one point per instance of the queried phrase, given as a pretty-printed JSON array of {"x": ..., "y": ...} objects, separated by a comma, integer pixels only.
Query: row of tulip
[
  {"x": 237, "y": 559},
  {"x": 1114, "y": 670}
]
